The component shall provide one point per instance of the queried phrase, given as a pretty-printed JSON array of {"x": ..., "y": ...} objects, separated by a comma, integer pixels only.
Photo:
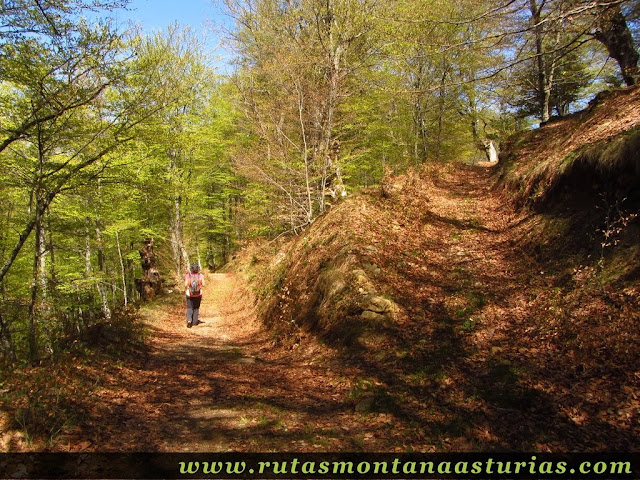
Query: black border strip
[{"x": 236, "y": 465}]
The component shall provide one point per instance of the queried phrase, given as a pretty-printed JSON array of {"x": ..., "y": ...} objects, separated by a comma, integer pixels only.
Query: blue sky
[
  {"x": 205, "y": 17},
  {"x": 157, "y": 14}
]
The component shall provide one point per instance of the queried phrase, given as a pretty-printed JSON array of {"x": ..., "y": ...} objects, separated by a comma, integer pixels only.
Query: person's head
[{"x": 195, "y": 268}]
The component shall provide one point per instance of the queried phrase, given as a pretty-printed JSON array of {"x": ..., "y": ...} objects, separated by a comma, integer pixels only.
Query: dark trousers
[{"x": 193, "y": 307}]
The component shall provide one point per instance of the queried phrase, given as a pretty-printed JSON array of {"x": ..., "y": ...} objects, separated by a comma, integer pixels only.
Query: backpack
[{"x": 194, "y": 285}]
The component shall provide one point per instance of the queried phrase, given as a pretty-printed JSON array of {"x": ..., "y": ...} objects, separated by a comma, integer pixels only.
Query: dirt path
[
  {"x": 221, "y": 386},
  {"x": 225, "y": 385}
]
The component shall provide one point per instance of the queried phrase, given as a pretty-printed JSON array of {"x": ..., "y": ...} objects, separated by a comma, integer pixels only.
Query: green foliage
[{"x": 100, "y": 135}]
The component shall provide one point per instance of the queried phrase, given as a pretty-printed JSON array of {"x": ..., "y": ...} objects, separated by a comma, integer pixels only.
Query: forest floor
[
  {"x": 219, "y": 386},
  {"x": 479, "y": 376}
]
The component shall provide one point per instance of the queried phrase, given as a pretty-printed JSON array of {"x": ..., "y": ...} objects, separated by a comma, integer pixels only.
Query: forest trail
[
  {"x": 219, "y": 386},
  {"x": 471, "y": 372},
  {"x": 226, "y": 385}
]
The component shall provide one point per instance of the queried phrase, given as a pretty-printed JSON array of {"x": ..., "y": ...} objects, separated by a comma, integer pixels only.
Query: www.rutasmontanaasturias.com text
[{"x": 400, "y": 467}]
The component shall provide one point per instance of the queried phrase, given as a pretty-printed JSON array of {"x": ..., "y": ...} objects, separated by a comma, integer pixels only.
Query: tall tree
[{"x": 297, "y": 65}]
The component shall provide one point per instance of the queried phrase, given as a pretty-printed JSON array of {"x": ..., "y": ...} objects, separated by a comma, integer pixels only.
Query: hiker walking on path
[{"x": 193, "y": 283}]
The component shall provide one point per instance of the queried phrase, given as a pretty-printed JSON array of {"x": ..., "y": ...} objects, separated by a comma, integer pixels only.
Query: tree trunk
[
  {"x": 176, "y": 227},
  {"x": 613, "y": 32},
  {"x": 5, "y": 338},
  {"x": 36, "y": 284},
  {"x": 131, "y": 274},
  {"x": 421, "y": 133},
  {"x": 42, "y": 260},
  {"x": 88, "y": 269},
  {"x": 123, "y": 272},
  {"x": 491, "y": 151},
  {"x": 198, "y": 253},
  {"x": 102, "y": 291},
  {"x": 331, "y": 171},
  {"x": 174, "y": 236},
  {"x": 150, "y": 284},
  {"x": 441, "y": 109},
  {"x": 307, "y": 167},
  {"x": 544, "y": 90},
  {"x": 475, "y": 122},
  {"x": 51, "y": 252},
  {"x": 87, "y": 248}
]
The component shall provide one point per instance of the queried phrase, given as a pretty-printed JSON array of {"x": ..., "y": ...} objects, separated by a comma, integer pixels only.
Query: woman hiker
[{"x": 193, "y": 283}]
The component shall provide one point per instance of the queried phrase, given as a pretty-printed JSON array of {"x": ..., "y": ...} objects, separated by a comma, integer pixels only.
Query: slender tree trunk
[
  {"x": 131, "y": 270},
  {"x": 123, "y": 272},
  {"x": 44, "y": 302},
  {"x": 176, "y": 228},
  {"x": 226, "y": 250},
  {"x": 51, "y": 251},
  {"x": 331, "y": 165},
  {"x": 198, "y": 252},
  {"x": 88, "y": 270},
  {"x": 441, "y": 109},
  {"x": 102, "y": 291},
  {"x": 36, "y": 284},
  {"x": 305, "y": 159},
  {"x": 42, "y": 259},
  {"x": 550, "y": 78},
  {"x": 331, "y": 157},
  {"x": 176, "y": 236},
  {"x": 421, "y": 134},
  {"x": 229, "y": 228},
  {"x": 39, "y": 265},
  {"x": 87, "y": 248},
  {"x": 185, "y": 255},
  {"x": 544, "y": 90}
]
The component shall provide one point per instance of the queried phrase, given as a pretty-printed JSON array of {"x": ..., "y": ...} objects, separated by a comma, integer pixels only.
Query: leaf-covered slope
[
  {"x": 597, "y": 149},
  {"x": 468, "y": 339}
]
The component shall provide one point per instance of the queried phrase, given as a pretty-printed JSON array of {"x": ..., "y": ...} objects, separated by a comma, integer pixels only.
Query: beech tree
[
  {"x": 296, "y": 68},
  {"x": 561, "y": 28},
  {"x": 59, "y": 124}
]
